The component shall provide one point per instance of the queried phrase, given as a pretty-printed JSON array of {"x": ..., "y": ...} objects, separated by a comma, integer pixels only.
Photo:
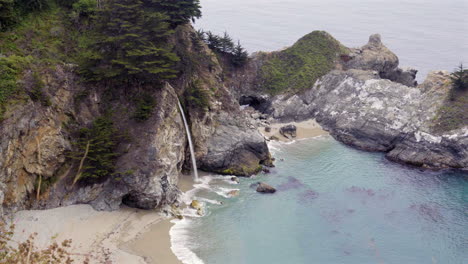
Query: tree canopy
[{"x": 131, "y": 43}]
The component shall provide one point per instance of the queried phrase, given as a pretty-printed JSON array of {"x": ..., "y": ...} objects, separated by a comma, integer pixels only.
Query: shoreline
[
  {"x": 128, "y": 235},
  {"x": 305, "y": 129}
]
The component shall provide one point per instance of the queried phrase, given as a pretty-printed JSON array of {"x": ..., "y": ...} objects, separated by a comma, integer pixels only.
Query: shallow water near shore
[
  {"x": 334, "y": 205},
  {"x": 425, "y": 34}
]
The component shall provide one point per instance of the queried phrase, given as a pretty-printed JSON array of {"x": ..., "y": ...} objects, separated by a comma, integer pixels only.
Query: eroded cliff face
[
  {"x": 36, "y": 139},
  {"x": 226, "y": 141},
  {"x": 370, "y": 103}
]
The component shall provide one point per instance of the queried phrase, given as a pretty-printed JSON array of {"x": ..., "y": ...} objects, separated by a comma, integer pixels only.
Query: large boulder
[
  {"x": 374, "y": 56},
  {"x": 262, "y": 187},
  {"x": 235, "y": 148},
  {"x": 288, "y": 131}
]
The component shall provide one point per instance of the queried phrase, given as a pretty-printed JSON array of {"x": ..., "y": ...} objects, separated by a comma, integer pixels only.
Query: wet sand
[
  {"x": 154, "y": 244},
  {"x": 125, "y": 236},
  {"x": 305, "y": 129}
]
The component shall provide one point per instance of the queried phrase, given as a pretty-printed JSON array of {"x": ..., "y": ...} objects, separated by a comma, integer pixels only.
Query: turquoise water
[{"x": 334, "y": 205}]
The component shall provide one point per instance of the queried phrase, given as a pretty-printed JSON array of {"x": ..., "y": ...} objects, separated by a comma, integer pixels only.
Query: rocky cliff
[
  {"x": 360, "y": 96},
  {"x": 368, "y": 102},
  {"x": 37, "y": 139}
]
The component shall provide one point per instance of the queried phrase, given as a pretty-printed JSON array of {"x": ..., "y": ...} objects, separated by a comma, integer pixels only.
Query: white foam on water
[
  {"x": 180, "y": 237},
  {"x": 180, "y": 232},
  {"x": 224, "y": 192},
  {"x": 210, "y": 201}
]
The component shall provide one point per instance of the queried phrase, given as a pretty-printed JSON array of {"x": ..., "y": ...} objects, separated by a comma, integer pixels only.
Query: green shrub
[
  {"x": 37, "y": 91},
  {"x": 144, "y": 108},
  {"x": 197, "y": 96},
  {"x": 96, "y": 150},
  {"x": 298, "y": 67},
  {"x": 10, "y": 70},
  {"x": 85, "y": 8}
]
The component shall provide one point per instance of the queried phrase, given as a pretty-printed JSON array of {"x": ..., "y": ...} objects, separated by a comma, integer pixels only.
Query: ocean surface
[
  {"x": 334, "y": 205},
  {"x": 425, "y": 34}
]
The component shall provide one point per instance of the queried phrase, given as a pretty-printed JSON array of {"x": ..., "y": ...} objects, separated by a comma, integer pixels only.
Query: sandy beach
[
  {"x": 306, "y": 129},
  {"x": 125, "y": 236}
]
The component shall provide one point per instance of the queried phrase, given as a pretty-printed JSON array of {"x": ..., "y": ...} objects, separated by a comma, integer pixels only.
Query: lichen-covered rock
[
  {"x": 371, "y": 104},
  {"x": 235, "y": 149},
  {"x": 373, "y": 56}
]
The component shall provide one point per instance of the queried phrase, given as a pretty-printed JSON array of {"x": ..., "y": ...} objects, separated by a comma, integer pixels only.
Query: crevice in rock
[{"x": 258, "y": 103}]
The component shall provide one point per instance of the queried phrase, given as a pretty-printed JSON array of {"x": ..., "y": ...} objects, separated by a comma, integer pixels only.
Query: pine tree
[
  {"x": 131, "y": 44},
  {"x": 179, "y": 11},
  {"x": 239, "y": 55},
  {"x": 213, "y": 41},
  {"x": 227, "y": 45},
  {"x": 460, "y": 78}
]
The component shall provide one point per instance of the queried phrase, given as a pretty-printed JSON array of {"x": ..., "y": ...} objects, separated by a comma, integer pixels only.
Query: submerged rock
[
  {"x": 233, "y": 193},
  {"x": 235, "y": 179},
  {"x": 195, "y": 204},
  {"x": 262, "y": 187}
]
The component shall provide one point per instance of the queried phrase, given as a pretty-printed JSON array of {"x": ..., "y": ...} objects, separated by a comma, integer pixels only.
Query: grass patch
[
  {"x": 453, "y": 115},
  {"x": 40, "y": 41},
  {"x": 298, "y": 67}
]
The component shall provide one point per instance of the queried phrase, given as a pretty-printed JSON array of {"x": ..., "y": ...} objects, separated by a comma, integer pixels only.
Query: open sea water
[
  {"x": 425, "y": 34},
  {"x": 335, "y": 204}
]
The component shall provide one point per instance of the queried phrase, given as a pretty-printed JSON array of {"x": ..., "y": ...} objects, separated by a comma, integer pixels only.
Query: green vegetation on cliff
[
  {"x": 453, "y": 114},
  {"x": 96, "y": 150},
  {"x": 298, "y": 67}
]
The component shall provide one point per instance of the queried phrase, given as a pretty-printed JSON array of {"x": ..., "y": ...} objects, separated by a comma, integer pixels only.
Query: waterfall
[{"x": 189, "y": 136}]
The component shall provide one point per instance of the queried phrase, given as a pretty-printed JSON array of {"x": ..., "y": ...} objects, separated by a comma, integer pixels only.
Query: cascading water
[{"x": 189, "y": 136}]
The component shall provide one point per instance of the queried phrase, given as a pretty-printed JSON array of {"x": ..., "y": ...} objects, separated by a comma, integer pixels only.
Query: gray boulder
[
  {"x": 262, "y": 187},
  {"x": 235, "y": 149},
  {"x": 374, "y": 56},
  {"x": 289, "y": 131}
]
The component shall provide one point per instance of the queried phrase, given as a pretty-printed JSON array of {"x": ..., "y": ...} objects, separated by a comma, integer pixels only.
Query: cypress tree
[
  {"x": 460, "y": 78},
  {"x": 227, "y": 45},
  {"x": 239, "y": 55},
  {"x": 179, "y": 11},
  {"x": 131, "y": 44}
]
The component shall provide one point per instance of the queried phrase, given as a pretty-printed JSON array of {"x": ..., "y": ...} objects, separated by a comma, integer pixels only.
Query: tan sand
[
  {"x": 93, "y": 233},
  {"x": 305, "y": 129},
  {"x": 128, "y": 235},
  {"x": 154, "y": 245}
]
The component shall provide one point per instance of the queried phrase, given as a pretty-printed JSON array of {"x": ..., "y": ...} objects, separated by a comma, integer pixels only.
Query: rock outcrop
[
  {"x": 36, "y": 139},
  {"x": 289, "y": 131},
  {"x": 370, "y": 103}
]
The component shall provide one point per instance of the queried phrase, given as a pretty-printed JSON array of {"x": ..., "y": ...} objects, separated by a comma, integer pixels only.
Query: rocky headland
[
  {"x": 365, "y": 101},
  {"x": 360, "y": 96}
]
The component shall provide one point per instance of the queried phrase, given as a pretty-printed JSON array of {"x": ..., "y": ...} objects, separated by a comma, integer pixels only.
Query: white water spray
[{"x": 189, "y": 136}]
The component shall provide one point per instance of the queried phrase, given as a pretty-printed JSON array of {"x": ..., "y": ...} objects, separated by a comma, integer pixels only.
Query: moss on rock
[{"x": 298, "y": 67}]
